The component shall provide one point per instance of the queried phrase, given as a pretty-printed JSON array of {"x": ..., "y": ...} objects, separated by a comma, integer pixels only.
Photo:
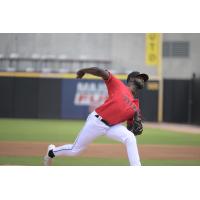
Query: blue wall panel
[{"x": 69, "y": 88}]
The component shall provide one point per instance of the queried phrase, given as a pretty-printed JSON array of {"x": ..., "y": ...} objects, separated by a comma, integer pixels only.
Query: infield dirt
[{"x": 172, "y": 152}]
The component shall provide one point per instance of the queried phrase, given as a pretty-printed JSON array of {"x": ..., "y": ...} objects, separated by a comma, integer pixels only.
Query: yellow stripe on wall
[
  {"x": 52, "y": 75},
  {"x": 59, "y": 75}
]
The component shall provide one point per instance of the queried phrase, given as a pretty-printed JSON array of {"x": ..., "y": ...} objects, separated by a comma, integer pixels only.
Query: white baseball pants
[{"x": 94, "y": 128}]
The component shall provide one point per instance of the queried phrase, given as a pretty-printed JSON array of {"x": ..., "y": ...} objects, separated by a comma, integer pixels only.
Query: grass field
[
  {"x": 77, "y": 161},
  {"x": 66, "y": 130}
]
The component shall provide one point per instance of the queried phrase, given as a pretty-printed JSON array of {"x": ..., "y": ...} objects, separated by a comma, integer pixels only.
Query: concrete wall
[
  {"x": 183, "y": 68},
  {"x": 125, "y": 51},
  {"x": 72, "y": 45},
  {"x": 128, "y": 53}
]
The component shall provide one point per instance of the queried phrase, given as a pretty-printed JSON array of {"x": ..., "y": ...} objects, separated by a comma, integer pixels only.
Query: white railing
[{"x": 48, "y": 63}]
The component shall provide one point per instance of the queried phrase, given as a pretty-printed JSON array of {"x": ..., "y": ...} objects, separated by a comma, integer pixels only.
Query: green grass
[
  {"x": 67, "y": 130},
  {"x": 158, "y": 136},
  {"x": 171, "y": 162},
  {"x": 39, "y": 130},
  {"x": 77, "y": 161},
  {"x": 63, "y": 161}
]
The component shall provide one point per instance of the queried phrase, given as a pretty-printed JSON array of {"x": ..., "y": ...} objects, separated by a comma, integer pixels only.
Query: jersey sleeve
[{"x": 113, "y": 84}]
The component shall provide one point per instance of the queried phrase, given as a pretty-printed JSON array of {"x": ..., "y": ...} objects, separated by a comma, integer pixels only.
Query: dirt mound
[{"x": 105, "y": 150}]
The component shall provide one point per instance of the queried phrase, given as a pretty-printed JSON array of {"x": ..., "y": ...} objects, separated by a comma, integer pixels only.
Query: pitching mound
[{"x": 105, "y": 150}]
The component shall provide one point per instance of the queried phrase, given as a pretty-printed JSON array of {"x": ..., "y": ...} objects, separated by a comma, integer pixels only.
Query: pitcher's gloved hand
[{"x": 136, "y": 125}]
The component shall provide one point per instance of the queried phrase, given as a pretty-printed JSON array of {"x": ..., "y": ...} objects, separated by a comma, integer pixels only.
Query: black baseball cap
[{"x": 145, "y": 77}]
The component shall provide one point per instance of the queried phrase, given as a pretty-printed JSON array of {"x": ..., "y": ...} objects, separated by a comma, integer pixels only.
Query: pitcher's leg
[
  {"x": 122, "y": 134},
  {"x": 89, "y": 132}
]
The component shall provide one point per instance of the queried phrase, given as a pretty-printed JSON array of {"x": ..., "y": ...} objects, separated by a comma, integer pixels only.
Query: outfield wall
[
  {"x": 69, "y": 98},
  {"x": 195, "y": 108}
]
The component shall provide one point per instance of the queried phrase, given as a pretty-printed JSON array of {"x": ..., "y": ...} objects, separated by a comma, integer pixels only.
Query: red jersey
[{"x": 120, "y": 104}]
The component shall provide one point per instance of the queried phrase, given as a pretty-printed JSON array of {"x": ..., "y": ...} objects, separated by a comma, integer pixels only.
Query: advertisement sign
[
  {"x": 81, "y": 97},
  {"x": 152, "y": 49}
]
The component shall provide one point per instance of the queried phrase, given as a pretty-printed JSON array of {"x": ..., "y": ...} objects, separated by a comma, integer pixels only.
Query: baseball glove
[{"x": 136, "y": 125}]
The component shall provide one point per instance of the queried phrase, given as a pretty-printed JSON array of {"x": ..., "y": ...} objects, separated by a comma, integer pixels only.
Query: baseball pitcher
[{"x": 120, "y": 106}]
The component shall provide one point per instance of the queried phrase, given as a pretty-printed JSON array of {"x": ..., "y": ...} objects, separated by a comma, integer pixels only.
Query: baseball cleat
[{"x": 47, "y": 159}]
